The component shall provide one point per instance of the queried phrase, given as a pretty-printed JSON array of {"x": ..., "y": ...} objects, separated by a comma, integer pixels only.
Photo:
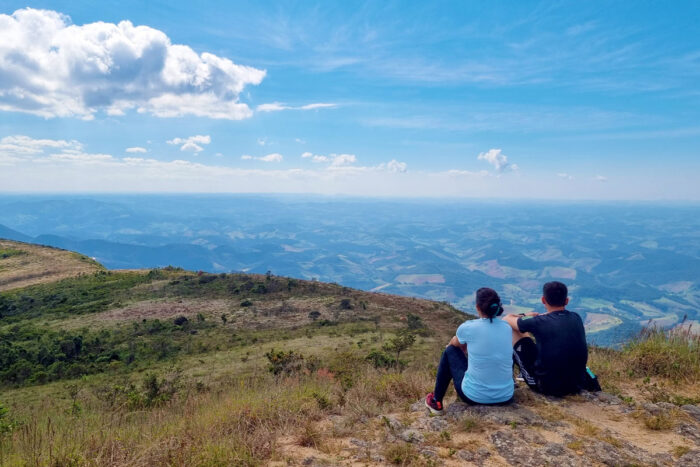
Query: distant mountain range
[{"x": 626, "y": 264}]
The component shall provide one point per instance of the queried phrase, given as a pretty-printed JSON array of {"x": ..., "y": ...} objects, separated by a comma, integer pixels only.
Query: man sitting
[{"x": 554, "y": 362}]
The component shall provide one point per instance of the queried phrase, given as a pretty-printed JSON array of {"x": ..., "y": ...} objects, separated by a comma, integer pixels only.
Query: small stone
[
  {"x": 652, "y": 408},
  {"x": 391, "y": 422},
  {"x": 607, "y": 398},
  {"x": 418, "y": 406},
  {"x": 554, "y": 449},
  {"x": 692, "y": 410},
  {"x": 666, "y": 406},
  {"x": 477, "y": 457},
  {"x": 308, "y": 461},
  {"x": 429, "y": 452},
  {"x": 436, "y": 424},
  {"x": 360, "y": 443},
  {"x": 412, "y": 436},
  {"x": 468, "y": 456},
  {"x": 689, "y": 459},
  {"x": 689, "y": 431}
]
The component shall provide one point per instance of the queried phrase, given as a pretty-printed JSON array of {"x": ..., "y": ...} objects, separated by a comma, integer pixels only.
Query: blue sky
[{"x": 581, "y": 100}]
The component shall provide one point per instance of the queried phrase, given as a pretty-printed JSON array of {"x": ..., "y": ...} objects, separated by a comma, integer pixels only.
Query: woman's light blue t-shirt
[{"x": 489, "y": 376}]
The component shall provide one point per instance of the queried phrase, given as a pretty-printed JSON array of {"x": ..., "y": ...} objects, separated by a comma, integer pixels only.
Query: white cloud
[
  {"x": 396, "y": 166},
  {"x": 318, "y": 158},
  {"x": 497, "y": 159},
  {"x": 191, "y": 144},
  {"x": 52, "y": 68},
  {"x": 600, "y": 178},
  {"x": 318, "y": 105},
  {"x": 565, "y": 176},
  {"x": 274, "y": 157},
  {"x": 299, "y": 140},
  {"x": 271, "y": 107},
  {"x": 136, "y": 149},
  {"x": 262, "y": 141},
  {"x": 45, "y": 165},
  {"x": 335, "y": 160},
  {"x": 20, "y": 144},
  {"x": 342, "y": 159},
  {"x": 278, "y": 106}
]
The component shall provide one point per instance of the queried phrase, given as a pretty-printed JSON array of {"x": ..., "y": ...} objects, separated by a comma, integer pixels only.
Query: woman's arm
[{"x": 455, "y": 342}]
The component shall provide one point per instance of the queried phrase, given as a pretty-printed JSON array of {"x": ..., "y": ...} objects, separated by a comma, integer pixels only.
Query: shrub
[
  {"x": 6, "y": 424},
  {"x": 246, "y": 303},
  {"x": 401, "y": 453},
  {"x": 314, "y": 315},
  {"x": 281, "y": 362},
  {"x": 380, "y": 359},
  {"x": 400, "y": 342},
  {"x": 346, "y": 304},
  {"x": 10, "y": 252},
  {"x": 672, "y": 354}
]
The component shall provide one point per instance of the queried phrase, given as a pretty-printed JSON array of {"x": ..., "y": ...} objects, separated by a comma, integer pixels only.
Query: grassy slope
[
  {"x": 144, "y": 391},
  {"x": 24, "y": 264}
]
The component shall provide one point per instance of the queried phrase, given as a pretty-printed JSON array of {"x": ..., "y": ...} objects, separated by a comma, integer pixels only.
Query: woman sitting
[{"x": 485, "y": 375}]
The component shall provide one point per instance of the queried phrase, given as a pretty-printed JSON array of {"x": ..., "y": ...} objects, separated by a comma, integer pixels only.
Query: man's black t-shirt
[{"x": 562, "y": 352}]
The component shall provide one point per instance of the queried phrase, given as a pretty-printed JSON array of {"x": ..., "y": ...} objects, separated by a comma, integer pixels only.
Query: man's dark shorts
[{"x": 525, "y": 354}]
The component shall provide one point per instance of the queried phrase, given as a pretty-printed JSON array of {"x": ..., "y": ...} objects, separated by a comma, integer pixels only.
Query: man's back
[{"x": 562, "y": 350}]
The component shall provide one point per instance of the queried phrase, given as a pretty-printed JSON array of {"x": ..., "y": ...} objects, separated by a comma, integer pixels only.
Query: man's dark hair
[{"x": 555, "y": 293}]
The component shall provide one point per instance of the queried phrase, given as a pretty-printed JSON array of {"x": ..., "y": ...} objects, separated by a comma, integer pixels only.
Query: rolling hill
[{"x": 171, "y": 367}]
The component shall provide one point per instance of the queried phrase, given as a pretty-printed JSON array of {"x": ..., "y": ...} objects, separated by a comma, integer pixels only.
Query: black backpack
[{"x": 589, "y": 381}]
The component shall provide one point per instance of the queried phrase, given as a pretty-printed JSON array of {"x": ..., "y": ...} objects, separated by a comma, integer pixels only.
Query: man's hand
[{"x": 532, "y": 313}]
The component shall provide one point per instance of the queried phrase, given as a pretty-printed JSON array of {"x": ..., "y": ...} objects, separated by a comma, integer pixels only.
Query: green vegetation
[
  {"x": 85, "y": 294},
  {"x": 10, "y": 252},
  {"x": 671, "y": 354},
  {"x": 36, "y": 355},
  {"x": 169, "y": 367}
]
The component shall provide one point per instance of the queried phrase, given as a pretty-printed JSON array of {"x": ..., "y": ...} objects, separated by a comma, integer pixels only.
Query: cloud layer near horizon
[
  {"x": 52, "y": 68},
  {"x": 65, "y": 166}
]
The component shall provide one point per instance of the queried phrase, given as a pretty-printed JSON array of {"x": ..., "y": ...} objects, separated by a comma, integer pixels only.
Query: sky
[{"x": 547, "y": 100}]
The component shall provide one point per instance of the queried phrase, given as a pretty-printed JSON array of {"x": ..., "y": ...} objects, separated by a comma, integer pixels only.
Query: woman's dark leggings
[{"x": 453, "y": 365}]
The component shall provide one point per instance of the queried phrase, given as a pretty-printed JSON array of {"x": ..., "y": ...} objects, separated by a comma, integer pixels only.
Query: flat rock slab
[
  {"x": 528, "y": 448},
  {"x": 689, "y": 459},
  {"x": 502, "y": 415},
  {"x": 477, "y": 457},
  {"x": 693, "y": 411}
]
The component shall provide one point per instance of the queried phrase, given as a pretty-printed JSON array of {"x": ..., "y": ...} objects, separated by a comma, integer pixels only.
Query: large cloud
[{"x": 52, "y": 68}]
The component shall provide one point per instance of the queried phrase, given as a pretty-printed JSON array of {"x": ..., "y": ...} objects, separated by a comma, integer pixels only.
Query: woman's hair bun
[{"x": 489, "y": 302}]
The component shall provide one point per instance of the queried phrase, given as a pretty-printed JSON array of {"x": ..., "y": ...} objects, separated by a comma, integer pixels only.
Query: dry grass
[
  {"x": 39, "y": 264},
  {"x": 238, "y": 425}
]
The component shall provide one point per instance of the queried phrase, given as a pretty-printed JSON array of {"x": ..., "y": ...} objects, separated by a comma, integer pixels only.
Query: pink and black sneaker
[{"x": 434, "y": 406}]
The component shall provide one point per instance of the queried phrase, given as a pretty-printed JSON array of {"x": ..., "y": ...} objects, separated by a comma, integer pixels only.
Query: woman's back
[{"x": 489, "y": 376}]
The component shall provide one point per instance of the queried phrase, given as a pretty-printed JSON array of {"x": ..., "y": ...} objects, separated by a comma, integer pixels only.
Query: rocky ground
[{"x": 590, "y": 429}]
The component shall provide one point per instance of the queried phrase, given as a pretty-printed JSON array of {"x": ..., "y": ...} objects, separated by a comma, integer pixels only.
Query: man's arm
[{"x": 513, "y": 319}]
